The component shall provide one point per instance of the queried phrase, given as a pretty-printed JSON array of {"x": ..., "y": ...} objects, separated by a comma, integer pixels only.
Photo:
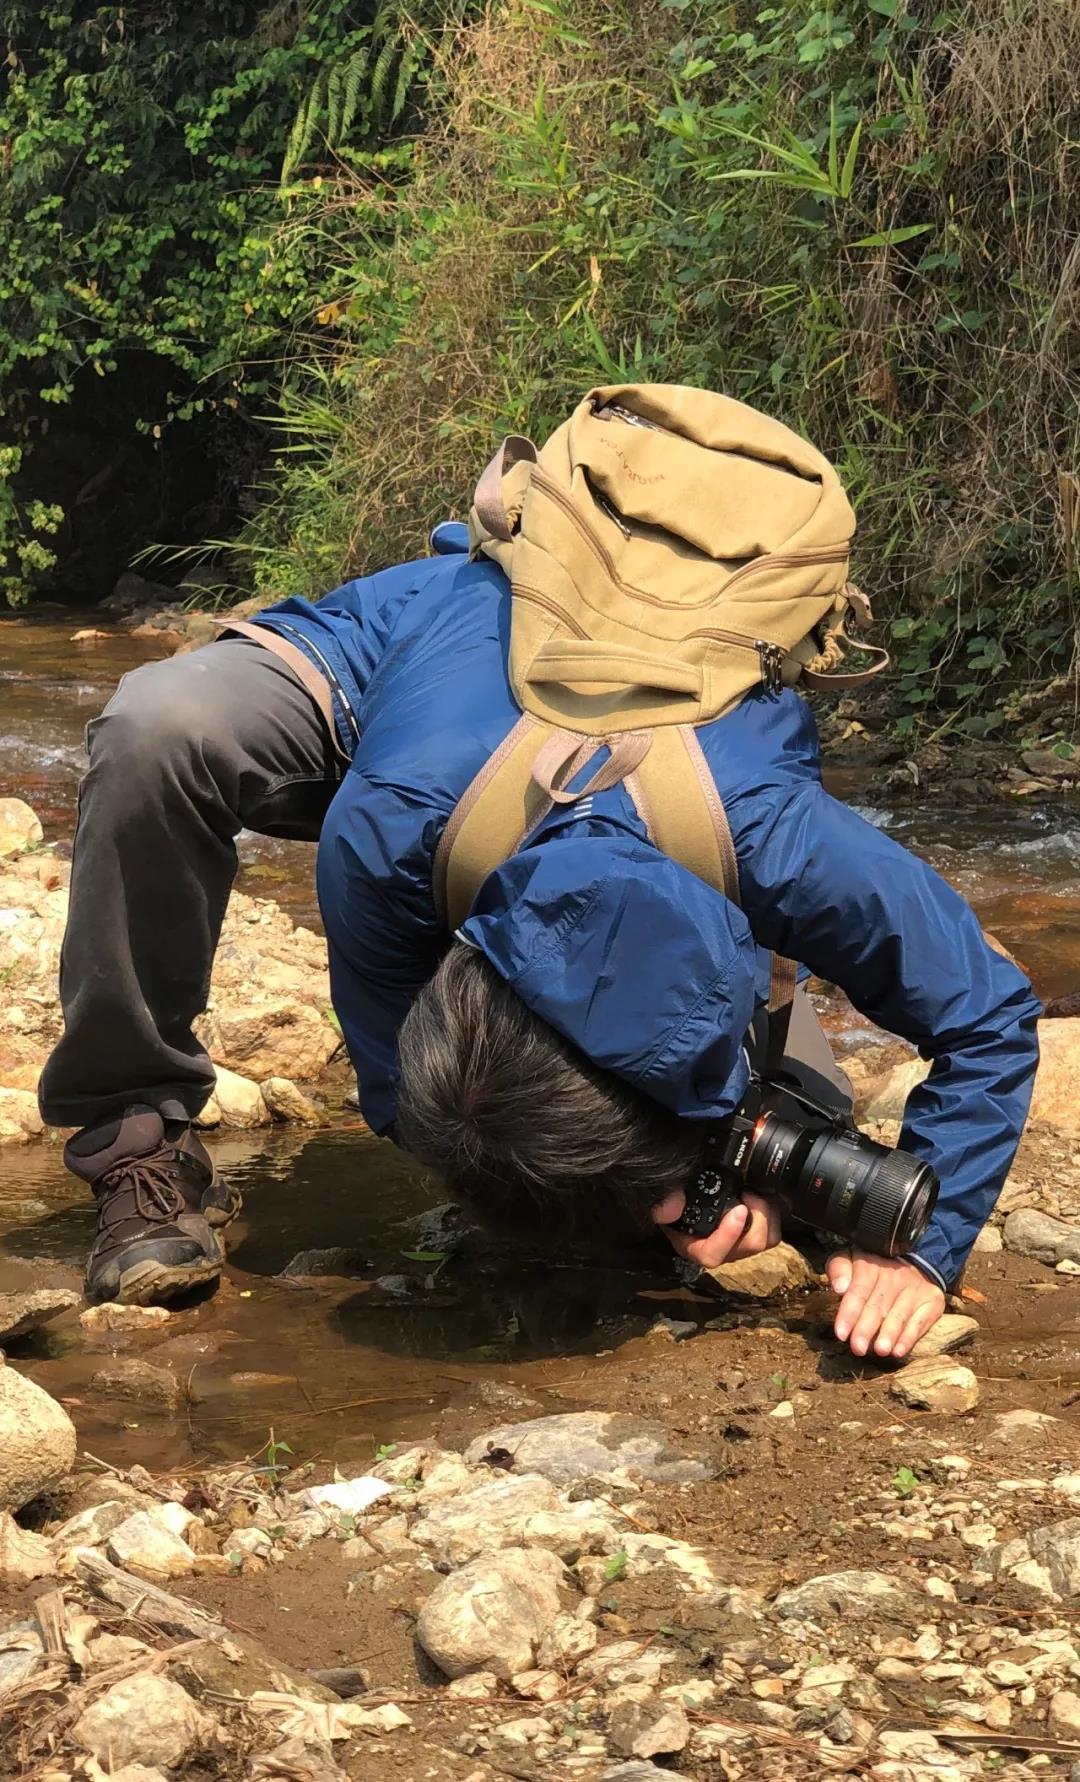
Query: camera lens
[{"x": 839, "y": 1181}]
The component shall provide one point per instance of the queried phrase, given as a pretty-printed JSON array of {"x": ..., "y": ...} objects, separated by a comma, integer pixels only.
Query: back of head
[{"x": 518, "y": 1121}]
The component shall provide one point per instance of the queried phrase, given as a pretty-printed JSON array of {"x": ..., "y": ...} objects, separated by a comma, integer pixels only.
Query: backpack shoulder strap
[
  {"x": 517, "y": 786},
  {"x": 684, "y": 817}
]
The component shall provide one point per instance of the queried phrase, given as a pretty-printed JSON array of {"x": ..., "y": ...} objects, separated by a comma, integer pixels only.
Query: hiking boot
[{"x": 158, "y": 1196}]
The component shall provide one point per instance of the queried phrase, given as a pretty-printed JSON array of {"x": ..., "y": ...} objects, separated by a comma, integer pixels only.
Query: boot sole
[{"x": 152, "y": 1283}]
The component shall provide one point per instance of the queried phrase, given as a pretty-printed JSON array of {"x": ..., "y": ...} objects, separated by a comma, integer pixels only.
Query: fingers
[
  {"x": 886, "y": 1304},
  {"x": 921, "y": 1319},
  {"x": 738, "y": 1226},
  {"x": 861, "y": 1283},
  {"x": 839, "y": 1268},
  {"x": 763, "y": 1230}
]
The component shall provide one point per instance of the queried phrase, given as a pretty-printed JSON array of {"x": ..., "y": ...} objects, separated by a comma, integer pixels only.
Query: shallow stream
[{"x": 335, "y": 1366}]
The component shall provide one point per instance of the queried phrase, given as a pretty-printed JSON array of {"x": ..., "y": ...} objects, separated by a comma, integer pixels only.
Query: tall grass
[{"x": 864, "y": 219}]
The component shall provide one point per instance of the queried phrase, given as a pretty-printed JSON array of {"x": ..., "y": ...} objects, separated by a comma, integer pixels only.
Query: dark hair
[{"x": 520, "y": 1123}]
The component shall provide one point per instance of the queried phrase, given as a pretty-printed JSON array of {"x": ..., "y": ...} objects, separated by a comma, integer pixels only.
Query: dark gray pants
[{"x": 186, "y": 754}]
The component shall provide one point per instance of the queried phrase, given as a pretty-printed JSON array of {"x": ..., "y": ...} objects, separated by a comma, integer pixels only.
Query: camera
[{"x": 782, "y": 1143}]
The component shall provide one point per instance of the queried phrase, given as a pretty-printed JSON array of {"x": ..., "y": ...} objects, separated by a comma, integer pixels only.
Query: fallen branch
[{"x": 146, "y": 1602}]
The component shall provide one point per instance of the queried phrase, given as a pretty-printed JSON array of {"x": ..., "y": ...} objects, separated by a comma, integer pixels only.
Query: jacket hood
[{"x": 641, "y": 965}]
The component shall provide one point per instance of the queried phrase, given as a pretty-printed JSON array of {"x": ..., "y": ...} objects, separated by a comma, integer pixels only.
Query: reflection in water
[{"x": 339, "y": 1361}]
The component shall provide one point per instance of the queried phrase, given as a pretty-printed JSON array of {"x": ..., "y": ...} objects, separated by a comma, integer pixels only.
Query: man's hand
[
  {"x": 747, "y": 1230},
  {"x": 884, "y": 1302}
]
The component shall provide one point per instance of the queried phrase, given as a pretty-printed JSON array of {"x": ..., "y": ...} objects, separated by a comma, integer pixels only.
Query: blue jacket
[{"x": 649, "y": 971}]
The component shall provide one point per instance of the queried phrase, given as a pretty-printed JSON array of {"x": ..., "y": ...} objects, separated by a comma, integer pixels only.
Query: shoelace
[{"x": 149, "y": 1184}]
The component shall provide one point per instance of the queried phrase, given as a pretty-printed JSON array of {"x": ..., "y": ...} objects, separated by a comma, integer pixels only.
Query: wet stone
[
  {"x": 104, "y": 1319},
  {"x": 22, "y": 1313},
  {"x": 337, "y": 1260},
  {"x": 140, "y": 1379},
  {"x": 578, "y": 1444},
  {"x": 781, "y": 1269}
]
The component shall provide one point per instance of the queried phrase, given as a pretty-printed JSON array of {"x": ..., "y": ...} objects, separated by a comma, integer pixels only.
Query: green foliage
[
  {"x": 860, "y": 218},
  {"x": 905, "y": 1483},
  {"x": 616, "y": 1566},
  {"x": 140, "y": 209}
]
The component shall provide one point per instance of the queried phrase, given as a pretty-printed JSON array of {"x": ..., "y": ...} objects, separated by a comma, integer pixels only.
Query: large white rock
[
  {"x": 493, "y": 1613},
  {"x": 145, "y": 1719},
  {"x": 37, "y": 1440}
]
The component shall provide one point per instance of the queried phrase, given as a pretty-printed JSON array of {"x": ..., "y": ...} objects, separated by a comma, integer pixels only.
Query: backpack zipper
[
  {"x": 770, "y": 560},
  {"x": 535, "y": 599}
]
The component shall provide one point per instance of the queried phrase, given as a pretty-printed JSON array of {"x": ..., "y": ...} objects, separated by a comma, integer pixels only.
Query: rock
[
  {"x": 951, "y": 1332},
  {"x": 89, "y": 635},
  {"x": 578, "y": 1445},
  {"x": 96, "y": 1320},
  {"x": 1038, "y": 1236},
  {"x": 492, "y": 1614},
  {"x": 1064, "y": 1716},
  {"x": 20, "y": 1313},
  {"x": 475, "y": 1684},
  {"x": 278, "y": 1037},
  {"x": 23, "y": 1555},
  {"x": 336, "y": 1261},
  {"x": 566, "y": 1642},
  {"x": 648, "y": 1729},
  {"x": 287, "y": 1102},
  {"x": 132, "y": 1378},
  {"x": 37, "y": 1440},
  {"x": 851, "y": 1596},
  {"x": 783, "y": 1269},
  {"x": 19, "y": 1116},
  {"x": 445, "y": 1477},
  {"x": 145, "y": 1544},
  {"x": 248, "y": 1543},
  {"x": 20, "y": 828},
  {"x": 538, "y": 1686},
  {"x": 346, "y": 1497},
  {"x": 1054, "y": 1101},
  {"x": 1007, "y": 1425},
  {"x": 989, "y": 1242},
  {"x": 144, "y": 1719},
  {"x": 491, "y": 1516},
  {"x": 625, "y": 1662},
  {"x": 298, "y": 1760},
  {"x": 1057, "y": 1548},
  {"x": 890, "y": 1098},
  {"x": 642, "y": 1772},
  {"x": 240, "y": 1100},
  {"x": 936, "y": 1384},
  {"x": 90, "y": 1527}
]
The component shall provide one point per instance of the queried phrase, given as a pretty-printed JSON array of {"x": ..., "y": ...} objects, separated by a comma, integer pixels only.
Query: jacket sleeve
[
  {"x": 822, "y": 885},
  {"x": 374, "y": 882}
]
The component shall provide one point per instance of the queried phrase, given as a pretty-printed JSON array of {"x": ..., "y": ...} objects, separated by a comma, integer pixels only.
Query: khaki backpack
[{"x": 667, "y": 550}]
